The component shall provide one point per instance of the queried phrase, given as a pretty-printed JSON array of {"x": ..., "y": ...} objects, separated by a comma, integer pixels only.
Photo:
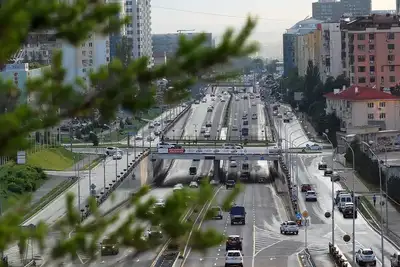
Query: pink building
[{"x": 371, "y": 50}]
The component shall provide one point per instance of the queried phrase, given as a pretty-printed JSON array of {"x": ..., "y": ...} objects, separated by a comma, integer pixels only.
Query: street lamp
[
  {"x": 380, "y": 196},
  {"x": 334, "y": 178},
  {"x": 292, "y": 144},
  {"x": 354, "y": 204}
]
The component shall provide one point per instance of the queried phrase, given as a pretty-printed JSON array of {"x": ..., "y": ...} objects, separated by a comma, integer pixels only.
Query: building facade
[
  {"x": 168, "y": 43},
  {"x": 19, "y": 74},
  {"x": 327, "y": 10},
  {"x": 290, "y": 42},
  {"x": 80, "y": 61},
  {"x": 362, "y": 109},
  {"x": 356, "y": 8},
  {"x": 330, "y": 63},
  {"x": 371, "y": 50},
  {"x": 308, "y": 48}
]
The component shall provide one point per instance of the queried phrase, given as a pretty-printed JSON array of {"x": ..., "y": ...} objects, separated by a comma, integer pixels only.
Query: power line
[{"x": 213, "y": 14}]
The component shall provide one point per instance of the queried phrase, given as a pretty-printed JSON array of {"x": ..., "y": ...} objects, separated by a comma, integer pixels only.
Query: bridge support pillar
[
  {"x": 276, "y": 165},
  {"x": 218, "y": 173}
]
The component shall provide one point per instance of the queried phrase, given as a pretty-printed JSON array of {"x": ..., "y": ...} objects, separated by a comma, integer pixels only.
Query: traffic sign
[
  {"x": 305, "y": 214},
  {"x": 92, "y": 186}
]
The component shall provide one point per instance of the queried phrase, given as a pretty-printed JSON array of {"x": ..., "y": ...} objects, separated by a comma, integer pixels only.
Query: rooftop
[
  {"x": 304, "y": 26},
  {"x": 359, "y": 93}
]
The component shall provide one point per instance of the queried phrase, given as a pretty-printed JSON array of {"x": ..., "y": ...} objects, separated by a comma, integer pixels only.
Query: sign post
[{"x": 306, "y": 222}]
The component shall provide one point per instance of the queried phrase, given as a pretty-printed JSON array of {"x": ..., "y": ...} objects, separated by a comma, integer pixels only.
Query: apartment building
[
  {"x": 308, "y": 47},
  {"x": 80, "y": 61},
  {"x": 327, "y": 10},
  {"x": 330, "y": 63},
  {"x": 356, "y": 8},
  {"x": 139, "y": 30},
  {"x": 371, "y": 50}
]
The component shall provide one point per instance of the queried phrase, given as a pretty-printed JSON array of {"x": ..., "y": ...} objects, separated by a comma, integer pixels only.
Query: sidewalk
[
  {"x": 308, "y": 128},
  {"x": 391, "y": 219}
]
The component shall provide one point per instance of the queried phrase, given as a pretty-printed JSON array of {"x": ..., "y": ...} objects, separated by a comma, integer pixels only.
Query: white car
[
  {"x": 203, "y": 129},
  {"x": 138, "y": 137},
  {"x": 314, "y": 147},
  {"x": 237, "y": 98},
  {"x": 117, "y": 156},
  {"x": 207, "y": 134},
  {"x": 178, "y": 187},
  {"x": 204, "y": 100},
  {"x": 208, "y": 124},
  {"x": 365, "y": 256},
  {"x": 289, "y": 227},
  {"x": 234, "y": 258},
  {"x": 193, "y": 184},
  {"x": 234, "y": 128},
  {"x": 197, "y": 102},
  {"x": 151, "y": 126},
  {"x": 223, "y": 100},
  {"x": 253, "y": 104},
  {"x": 311, "y": 195},
  {"x": 233, "y": 164},
  {"x": 111, "y": 150}
]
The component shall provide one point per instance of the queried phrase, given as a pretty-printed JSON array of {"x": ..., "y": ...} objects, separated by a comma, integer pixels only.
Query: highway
[
  {"x": 320, "y": 231},
  {"x": 199, "y": 117},
  {"x": 56, "y": 209}
]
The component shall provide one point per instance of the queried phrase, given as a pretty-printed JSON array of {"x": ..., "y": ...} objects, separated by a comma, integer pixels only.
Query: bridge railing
[{"x": 228, "y": 139}]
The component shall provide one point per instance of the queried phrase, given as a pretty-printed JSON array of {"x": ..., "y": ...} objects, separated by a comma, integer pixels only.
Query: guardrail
[
  {"x": 338, "y": 257},
  {"x": 306, "y": 259},
  {"x": 228, "y": 139}
]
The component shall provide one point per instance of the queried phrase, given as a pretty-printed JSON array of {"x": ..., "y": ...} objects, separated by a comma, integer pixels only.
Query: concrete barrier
[{"x": 338, "y": 256}]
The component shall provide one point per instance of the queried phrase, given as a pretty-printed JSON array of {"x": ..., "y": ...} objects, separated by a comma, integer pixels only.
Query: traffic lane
[
  {"x": 215, "y": 117},
  {"x": 125, "y": 254},
  {"x": 298, "y": 136},
  {"x": 56, "y": 209},
  {"x": 195, "y": 120},
  {"x": 280, "y": 253},
  {"x": 179, "y": 126},
  {"x": 365, "y": 235},
  {"x": 216, "y": 256}
]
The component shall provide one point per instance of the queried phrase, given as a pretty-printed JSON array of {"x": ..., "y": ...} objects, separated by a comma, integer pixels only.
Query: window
[
  {"x": 361, "y": 36},
  {"x": 83, "y": 45},
  {"x": 83, "y": 70},
  {"x": 382, "y": 104},
  {"x": 361, "y": 47},
  {"x": 382, "y": 116},
  {"x": 129, "y": 3},
  {"x": 362, "y": 58},
  {"x": 83, "y": 53},
  {"x": 372, "y": 58},
  {"x": 392, "y": 79},
  {"x": 392, "y": 67},
  {"x": 90, "y": 53},
  {"x": 390, "y": 36},
  {"x": 370, "y": 116},
  {"x": 90, "y": 44},
  {"x": 371, "y": 47},
  {"x": 129, "y": 10},
  {"x": 370, "y": 104},
  {"x": 371, "y": 68},
  {"x": 390, "y": 46},
  {"x": 361, "y": 80},
  {"x": 361, "y": 69},
  {"x": 371, "y": 36},
  {"x": 391, "y": 57},
  {"x": 372, "y": 79}
]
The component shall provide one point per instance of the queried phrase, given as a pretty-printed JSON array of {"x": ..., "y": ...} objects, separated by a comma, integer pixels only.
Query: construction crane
[{"x": 181, "y": 31}]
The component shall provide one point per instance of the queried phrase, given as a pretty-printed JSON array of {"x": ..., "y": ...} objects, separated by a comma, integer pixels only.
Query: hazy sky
[{"x": 214, "y": 16}]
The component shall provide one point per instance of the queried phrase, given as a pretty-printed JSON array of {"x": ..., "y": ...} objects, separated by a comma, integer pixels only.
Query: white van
[{"x": 343, "y": 199}]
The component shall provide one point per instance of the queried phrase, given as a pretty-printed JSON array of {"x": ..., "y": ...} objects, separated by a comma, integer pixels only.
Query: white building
[
  {"x": 330, "y": 62},
  {"x": 364, "y": 109},
  {"x": 140, "y": 27},
  {"x": 79, "y": 61},
  {"x": 122, "y": 12}
]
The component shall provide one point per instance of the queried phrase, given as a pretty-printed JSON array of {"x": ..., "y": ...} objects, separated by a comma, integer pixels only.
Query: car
[
  {"x": 314, "y": 147},
  {"x": 275, "y": 113},
  {"x": 111, "y": 150},
  {"x": 234, "y": 258},
  {"x": 233, "y": 164},
  {"x": 207, "y": 134},
  {"x": 286, "y": 120},
  {"x": 245, "y": 122},
  {"x": 178, "y": 187},
  {"x": 234, "y": 242},
  {"x": 230, "y": 184},
  {"x": 117, "y": 156},
  {"x": 157, "y": 133},
  {"x": 214, "y": 182},
  {"x": 157, "y": 123},
  {"x": 109, "y": 247},
  {"x": 289, "y": 227},
  {"x": 306, "y": 187},
  {"x": 223, "y": 100},
  {"x": 395, "y": 259},
  {"x": 234, "y": 128},
  {"x": 210, "y": 109},
  {"x": 150, "y": 138},
  {"x": 366, "y": 256},
  {"x": 237, "y": 98},
  {"x": 253, "y": 104},
  {"x": 204, "y": 100},
  {"x": 244, "y": 117},
  {"x": 138, "y": 137},
  {"x": 193, "y": 184},
  {"x": 311, "y": 195},
  {"x": 342, "y": 200},
  {"x": 328, "y": 172},
  {"x": 159, "y": 203},
  {"x": 279, "y": 116},
  {"x": 348, "y": 210},
  {"x": 217, "y": 213},
  {"x": 212, "y": 95},
  {"x": 213, "y": 99},
  {"x": 322, "y": 166},
  {"x": 155, "y": 232},
  {"x": 254, "y": 116},
  {"x": 208, "y": 124},
  {"x": 197, "y": 102},
  {"x": 151, "y": 126}
]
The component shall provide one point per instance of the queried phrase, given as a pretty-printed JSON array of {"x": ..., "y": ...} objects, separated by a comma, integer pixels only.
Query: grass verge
[
  {"x": 93, "y": 164},
  {"x": 57, "y": 158},
  {"x": 49, "y": 197}
]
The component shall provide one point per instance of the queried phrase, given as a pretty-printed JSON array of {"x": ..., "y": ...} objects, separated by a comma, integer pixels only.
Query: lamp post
[
  {"x": 287, "y": 143},
  {"x": 291, "y": 145},
  {"x": 335, "y": 178},
  {"x": 354, "y": 206},
  {"x": 380, "y": 196}
]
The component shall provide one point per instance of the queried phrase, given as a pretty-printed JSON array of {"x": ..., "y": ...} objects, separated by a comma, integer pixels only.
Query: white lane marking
[{"x": 267, "y": 247}]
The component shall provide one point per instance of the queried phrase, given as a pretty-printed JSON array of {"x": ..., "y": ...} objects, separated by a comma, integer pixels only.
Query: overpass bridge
[
  {"x": 231, "y": 84},
  {"x": 229, "y": 139}
]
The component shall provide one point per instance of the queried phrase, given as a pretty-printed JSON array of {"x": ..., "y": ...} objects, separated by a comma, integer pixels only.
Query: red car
[{"x": 306, "y": 187}]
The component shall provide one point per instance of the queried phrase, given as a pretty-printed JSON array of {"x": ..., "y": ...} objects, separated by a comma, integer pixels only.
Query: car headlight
[
  {"x": 103, "y": 247},
  {"x": 113, "y": 246}
]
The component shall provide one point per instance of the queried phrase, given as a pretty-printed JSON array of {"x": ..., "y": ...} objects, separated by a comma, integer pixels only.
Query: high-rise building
[
  {"x": 397, "y": 7},
  {"x": 330, "y": 63},
  {"x": 327, "y": 11},
  {"x": 289, "y": 42},
  {"x": 140, "y": 27},
  {"x": 356, "y": 8},
  {"x": 79, "y": 61},
  {"x": 371, "y": 50}
]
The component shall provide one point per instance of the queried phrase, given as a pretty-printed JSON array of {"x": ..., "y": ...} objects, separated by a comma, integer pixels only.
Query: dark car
[
  {"x": 348, "y": 212},
  {"x": 230, "y": 184},
  {"x": 306, "y": 187},
  {"x": 234, "y": 242}
]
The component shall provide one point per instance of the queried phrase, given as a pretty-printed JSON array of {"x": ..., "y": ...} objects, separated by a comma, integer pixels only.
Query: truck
[{"x": 238, "y": 215}]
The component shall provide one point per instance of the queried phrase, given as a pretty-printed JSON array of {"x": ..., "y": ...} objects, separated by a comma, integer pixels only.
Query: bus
[{"x": 192, "y": 171}]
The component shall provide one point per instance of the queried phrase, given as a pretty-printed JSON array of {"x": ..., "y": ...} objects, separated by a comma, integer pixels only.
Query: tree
[
  {"x": 271, "y": 66},
  {"x": 129, "y": 87},
  {"x": 124, "y": 50}
]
